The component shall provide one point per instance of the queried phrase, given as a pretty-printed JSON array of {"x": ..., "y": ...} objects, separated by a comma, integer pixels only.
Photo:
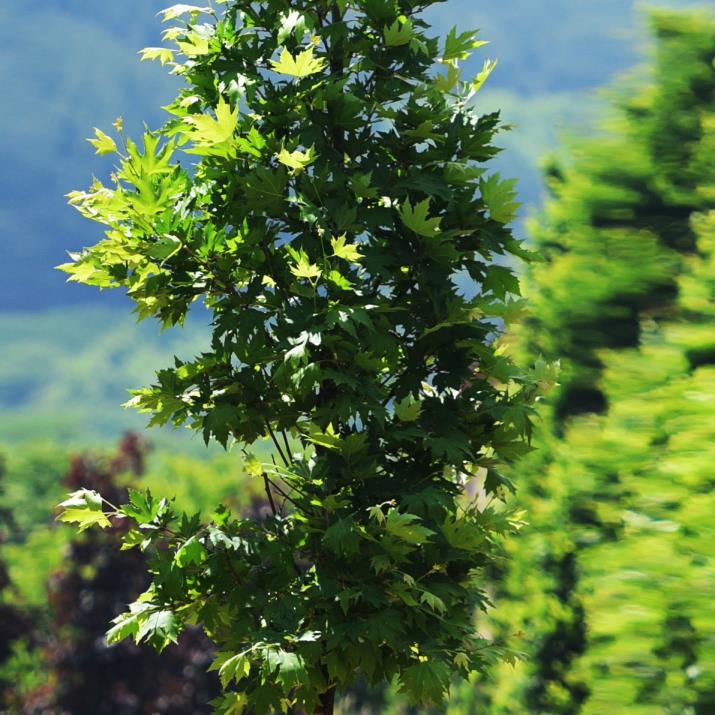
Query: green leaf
[
  {"x": 231, "y": 668},
  {"x": 230, "y": 704},
  {"x": 346, "y": 251},
  {"x": 465, "y": 533},
  {"x": 159, "y": 627},
  {"x": 381, "y": 563},
  {"x": 501, "y": 281},
  {"x": 265, "y": 188},
  {"x": 292, "y": 23},
  {"x": 427, "y": 681},
  {"x": 459, "y": 47},
  {"x": 104, "y": 144},
  {"x": 406, "y": 527},
  {"x": 409, "y": 409},
  {"x": 342, "y": 537},
  {"x": 134, "y": 538},
  {"x": 303, "y": 65},
  {"x": 433, "y": 601},
  {"x": 377, "y": 514},
  {"x": 447, "y": 82},
  {"x": 326, "y": 438},
  {"x": 399, "y": 33},
  {"x": 165, "y": 247},
  {"x": 292, "y": 671},
  {"x": 84, "y": 507},
  {"x": 416, "y": 219},
  {"x": 125, "y": 625},
  {"x": 192, "y": 551},
  {"x": 499, "y": 196}
]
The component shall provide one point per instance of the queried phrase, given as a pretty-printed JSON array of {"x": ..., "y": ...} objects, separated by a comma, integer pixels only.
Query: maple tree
[{"x": 319, "y": 187}]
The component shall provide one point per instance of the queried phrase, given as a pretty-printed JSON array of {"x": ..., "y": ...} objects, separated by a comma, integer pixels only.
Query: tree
[
  {"x": 610, "y": 583},
  {"x": 338, "y": 188}
]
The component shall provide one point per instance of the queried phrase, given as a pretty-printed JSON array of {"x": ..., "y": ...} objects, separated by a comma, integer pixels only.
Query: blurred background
[
  {"x": 70, "y": 65},
  {"x": 607, "y": 626}
]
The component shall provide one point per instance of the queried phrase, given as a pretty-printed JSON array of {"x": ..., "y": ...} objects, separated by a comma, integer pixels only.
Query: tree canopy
[{"x": 320, "y": 185}]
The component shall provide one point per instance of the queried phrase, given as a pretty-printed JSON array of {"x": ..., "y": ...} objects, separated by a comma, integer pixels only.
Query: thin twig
[
  {"x": 269, "y": 494},
  {"x": 275, "y": 442},
  {"x": 285, "y": 439}
]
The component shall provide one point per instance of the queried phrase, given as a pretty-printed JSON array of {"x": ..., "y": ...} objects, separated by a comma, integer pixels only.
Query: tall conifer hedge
[{"x": 612, "y": 588}]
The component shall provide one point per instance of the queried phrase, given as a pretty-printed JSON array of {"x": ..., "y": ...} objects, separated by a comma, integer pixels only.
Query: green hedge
[{"x": 611, "y": 589}]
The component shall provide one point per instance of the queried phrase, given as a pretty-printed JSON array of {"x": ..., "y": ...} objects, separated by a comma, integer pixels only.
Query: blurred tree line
[
  {"x": 610, "y": 590},
  {"x": 612, "y": 586}
]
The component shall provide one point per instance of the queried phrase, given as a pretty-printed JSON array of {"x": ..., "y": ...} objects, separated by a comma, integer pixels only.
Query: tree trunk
[{"x": 327, "y": 703}]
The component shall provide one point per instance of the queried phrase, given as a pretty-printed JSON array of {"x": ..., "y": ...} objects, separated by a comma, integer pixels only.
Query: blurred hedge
[{"x": 611, "y": 589}]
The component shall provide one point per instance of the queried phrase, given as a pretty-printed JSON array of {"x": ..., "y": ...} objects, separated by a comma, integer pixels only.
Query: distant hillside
[{"x": 65, "y": 373}]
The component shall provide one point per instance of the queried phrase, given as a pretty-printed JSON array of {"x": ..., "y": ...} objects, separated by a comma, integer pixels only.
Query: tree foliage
[
  {"x": 319, "y": 185},
  {"x": 611, "y": 587},
  {"x": 14, "y": 624}
]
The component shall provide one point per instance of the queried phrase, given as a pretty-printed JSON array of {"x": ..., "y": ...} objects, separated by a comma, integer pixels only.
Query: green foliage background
[
  {"x": 611, "y": 586},
  {"x": 48, "y": 356}
]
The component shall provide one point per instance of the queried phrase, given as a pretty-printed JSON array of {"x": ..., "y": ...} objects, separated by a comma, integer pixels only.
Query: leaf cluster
[{"x": 319, "y": 186}]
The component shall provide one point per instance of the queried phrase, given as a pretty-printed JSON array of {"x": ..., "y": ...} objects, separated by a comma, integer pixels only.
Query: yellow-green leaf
[
  {"x": 209, "y": 131},
  {"x": 163, "y": 54},
  {"x": 303, "y": 268},
  {"x": 346, "y": 251},
  {"x": 296, "y": 160},
  {"x": 302, "y": 65},
  {"x": 461, "y": 660},
  {"x": 171, "y": 13},
  {"x": 483, "y": 76},
  {"x": 104, "y": 144},
  {"x": 84, "y": 507},
  {"x": 195, "y": 46}
]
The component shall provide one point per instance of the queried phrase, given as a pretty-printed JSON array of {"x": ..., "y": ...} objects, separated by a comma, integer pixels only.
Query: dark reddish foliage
[{"x": 87, "y": 677}]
